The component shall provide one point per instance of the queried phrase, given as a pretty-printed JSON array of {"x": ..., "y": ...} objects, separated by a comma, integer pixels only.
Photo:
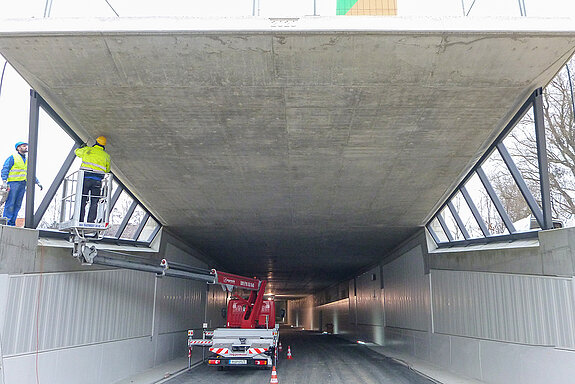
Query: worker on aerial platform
[{"x": 95, "y": 163}]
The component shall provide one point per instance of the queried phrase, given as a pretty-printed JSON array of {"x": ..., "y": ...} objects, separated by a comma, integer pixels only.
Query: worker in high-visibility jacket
[
  {"x": 14, "y": 174},
  {"x": 95, "y": 162}
]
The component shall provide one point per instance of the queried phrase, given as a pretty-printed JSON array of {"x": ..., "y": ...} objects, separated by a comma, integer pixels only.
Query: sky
[{"x": 53, "y": 142}]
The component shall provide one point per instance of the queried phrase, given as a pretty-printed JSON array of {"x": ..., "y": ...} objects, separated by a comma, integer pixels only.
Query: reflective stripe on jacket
[
  {"x": 18, "y": 170},
  {"x": 94, "y": 159}
]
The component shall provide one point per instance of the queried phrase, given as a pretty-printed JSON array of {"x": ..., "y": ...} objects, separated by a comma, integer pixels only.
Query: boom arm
[{"x": 229, "y": 280}]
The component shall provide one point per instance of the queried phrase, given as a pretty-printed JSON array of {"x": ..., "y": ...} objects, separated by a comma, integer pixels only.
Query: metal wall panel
[
  {"x": 180, "y": 304},
  {"x": 406, "y": 292},
  {"x": 337, "y": 314},
  {"x": 301, "y": 313},
  {"x": 525, "y": 309},
  {"x": 217, "y": 299},
  {"x": 369, "y": 298},
  {"x": 352, "y": 302},
  {"x": 58, "y": 310}
]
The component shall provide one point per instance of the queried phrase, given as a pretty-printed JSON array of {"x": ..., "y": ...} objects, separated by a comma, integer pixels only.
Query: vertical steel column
[
  {"x": 542, "y": 159},
  {"x": 32, "y": 156}
]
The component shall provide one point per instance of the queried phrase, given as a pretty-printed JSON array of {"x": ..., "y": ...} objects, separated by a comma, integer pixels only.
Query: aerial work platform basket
[{"x": 79, "y": 227}]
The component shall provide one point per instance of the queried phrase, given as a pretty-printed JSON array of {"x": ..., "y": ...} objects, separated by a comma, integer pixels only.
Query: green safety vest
[
  {"x": 18, "y": 170},
  {"x": 94, "y": 159}
]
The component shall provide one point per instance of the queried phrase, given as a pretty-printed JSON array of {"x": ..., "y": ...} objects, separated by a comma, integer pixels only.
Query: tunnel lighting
[{"x": 214, "y": 361}]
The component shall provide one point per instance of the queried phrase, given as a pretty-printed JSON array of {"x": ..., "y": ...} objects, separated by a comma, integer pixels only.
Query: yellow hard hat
[{"x": 101, "y": 140}]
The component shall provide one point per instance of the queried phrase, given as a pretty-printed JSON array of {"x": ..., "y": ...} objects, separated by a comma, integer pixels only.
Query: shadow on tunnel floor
[{"x": 316, "y": 358}]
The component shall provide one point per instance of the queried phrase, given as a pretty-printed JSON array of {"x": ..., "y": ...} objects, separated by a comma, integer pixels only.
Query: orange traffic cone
[
  {"x": 274, "y": 379},
  {"x": 280, "y": 347},
  {"x": 289, "y": 353}
]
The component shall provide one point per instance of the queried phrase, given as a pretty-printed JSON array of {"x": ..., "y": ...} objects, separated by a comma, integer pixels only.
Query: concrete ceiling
[{"x": 301, "y": 150}]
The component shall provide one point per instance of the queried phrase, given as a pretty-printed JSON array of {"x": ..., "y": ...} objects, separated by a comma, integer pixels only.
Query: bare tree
[{"x": 560, "y": 135}]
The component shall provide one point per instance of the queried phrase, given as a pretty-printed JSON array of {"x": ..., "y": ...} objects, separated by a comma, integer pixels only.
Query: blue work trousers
[{"x": 14, "y": 200}]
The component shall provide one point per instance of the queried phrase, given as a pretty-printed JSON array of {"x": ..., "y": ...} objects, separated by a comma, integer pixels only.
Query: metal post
[
  {"x": 141, "y": 227},
  {"x": 78, "y": 199},
  {"x": 116, "y": 196},
  {"x": 54, "y": 187},
  {"x": 126, "y": 219},
  {"x": 571, "y": 88},
  {"x": 154, "y": 232},
  {"x": 190, "y": 337},
  {"x": 64, "y": 207},
  {"x": 475, "y": 212},
  {"x": 458, "y": 220},
  {"x": 542, "y": 159},
  {"x": 32, "y": 156},
  {"x": 48, "y": 109},
  {"x": 495, "y": 199},
  {"x": 444, "y": 226},
  {"x": 516, "y": 174},
  {"x": 433, "y": 234}
]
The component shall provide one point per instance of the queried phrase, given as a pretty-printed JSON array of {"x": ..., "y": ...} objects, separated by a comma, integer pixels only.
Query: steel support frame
[
  {"x": 542, "y": 214},
  {"x": 127, "y": 218},
  {"x": 32, "y": 157},
  {"x": 32, "y": 219},
  {"x": 433, "y": 234},
  {"x": 48, "y": 109},
  {"x": 542, "y": 159},
  {"x": 444, "y": 227},
  {"x": 141, "y": 226},
  {"x": 458, "y": 220},
  {"x": 516, "y": 174},
  {"x": 475, "y": 212},
  {"x": 487, "y": 240},
  {"x": 54, "y": 186},
  {"x": 495, "y": 199},
  {"x": 106, "y": 240},
  {"x": 154, "y": 232},
  {"x": 115, "y": 197}
]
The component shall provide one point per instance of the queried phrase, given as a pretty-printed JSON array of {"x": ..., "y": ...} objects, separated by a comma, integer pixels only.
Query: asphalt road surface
[{"x": 317, "y": 358}]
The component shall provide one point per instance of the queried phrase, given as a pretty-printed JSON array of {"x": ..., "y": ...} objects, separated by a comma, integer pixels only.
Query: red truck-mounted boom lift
[
  {"x": 253, "y": 312},
  {"x": 250, "y": 337}
]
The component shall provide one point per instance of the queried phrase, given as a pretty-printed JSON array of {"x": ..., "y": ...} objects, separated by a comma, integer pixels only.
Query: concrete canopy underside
[{"x": 296, "y": 150}]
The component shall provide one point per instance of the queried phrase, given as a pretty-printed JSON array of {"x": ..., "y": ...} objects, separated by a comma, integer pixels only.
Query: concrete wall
[
  {"x": 496, "y": 313},
  {"x": 62, "y": 322}
]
